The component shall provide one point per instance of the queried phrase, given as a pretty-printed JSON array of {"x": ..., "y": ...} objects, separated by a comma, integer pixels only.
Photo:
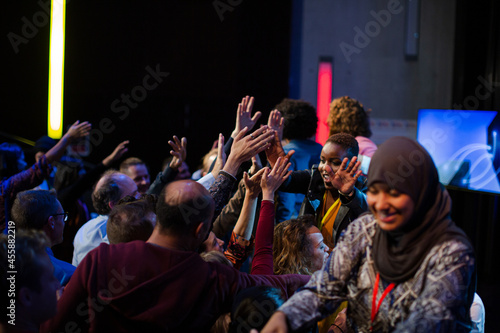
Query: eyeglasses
[{"x": 65, "y": 216}]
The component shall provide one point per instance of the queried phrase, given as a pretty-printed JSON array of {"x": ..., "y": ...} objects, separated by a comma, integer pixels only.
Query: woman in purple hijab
[{"x": 403, "y": 267}]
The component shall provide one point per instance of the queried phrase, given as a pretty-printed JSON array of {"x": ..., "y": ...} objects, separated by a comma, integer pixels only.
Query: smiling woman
[{"x": 407, "y": 263}]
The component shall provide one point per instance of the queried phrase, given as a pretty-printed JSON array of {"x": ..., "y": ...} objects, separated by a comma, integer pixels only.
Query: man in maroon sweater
[{"x": 161, "y": 285}]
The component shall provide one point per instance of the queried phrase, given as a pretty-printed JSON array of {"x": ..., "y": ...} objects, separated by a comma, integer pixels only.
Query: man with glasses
[{"x": 40, "y": 210}]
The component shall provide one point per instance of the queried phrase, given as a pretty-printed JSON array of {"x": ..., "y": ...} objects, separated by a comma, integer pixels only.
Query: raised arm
[
  {"x": 244, "y": 115},
  {"x": 69, "y": 194},
  {"x": 117, "y": 153},
  {"x": 76, "y": 131},
  {"x": 275, "y": 149},
  {"x": 246, "y": 146},
  {"x": 241, "y": 243},
  {"x": 271, "y": 180},
  {"x": 178, "y": 152}
]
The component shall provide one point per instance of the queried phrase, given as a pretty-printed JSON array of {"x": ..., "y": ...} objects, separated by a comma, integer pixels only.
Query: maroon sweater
[{"x": 138, "y": 286}]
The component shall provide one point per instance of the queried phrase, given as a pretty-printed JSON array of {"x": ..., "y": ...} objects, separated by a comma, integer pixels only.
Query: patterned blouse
[{"x": 434, "y": 300}]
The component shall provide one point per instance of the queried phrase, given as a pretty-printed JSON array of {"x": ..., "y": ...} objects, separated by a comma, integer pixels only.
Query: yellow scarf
[{"x": 328, "y": 219}]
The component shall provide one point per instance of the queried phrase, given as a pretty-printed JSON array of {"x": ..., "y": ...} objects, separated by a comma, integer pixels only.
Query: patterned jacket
[{"x": 434, "y": 300}]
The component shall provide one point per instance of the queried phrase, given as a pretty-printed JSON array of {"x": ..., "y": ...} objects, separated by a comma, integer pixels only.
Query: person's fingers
[
  {"x": 289, "y": 154},
  {"x": 287, "y": 175},
  {"x": 276, "y": 166},
  {"x": 241, "y": 134},
  {"x": 220, "y": 148},
  {"x": 173, "y": 145},
  {"x": 177, "y": 141},
  {"x": 250, "y": 101},
  {"x": 343, "y": 165},
  {"x": 260, "y": 130},
  {"x": 184, "y": 142},
  {"x": 256, "y": 116}
]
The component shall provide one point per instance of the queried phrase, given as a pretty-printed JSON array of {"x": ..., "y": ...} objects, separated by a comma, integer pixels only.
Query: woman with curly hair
[
  {"x": 298, "y": 247},
  {"x": 347, "y": 115}
]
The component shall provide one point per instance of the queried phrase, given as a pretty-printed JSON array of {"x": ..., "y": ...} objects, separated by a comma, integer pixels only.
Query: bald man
[
  {"x": 160, "y": 285},
  {"x": 110, "y": 188}
]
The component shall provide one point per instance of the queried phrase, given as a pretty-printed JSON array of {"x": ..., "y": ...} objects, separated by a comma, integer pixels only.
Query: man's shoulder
[{"x": 94, "y": 223}]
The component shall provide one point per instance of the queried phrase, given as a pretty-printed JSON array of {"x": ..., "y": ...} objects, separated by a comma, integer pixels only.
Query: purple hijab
[{"x": 405, "y": 165}]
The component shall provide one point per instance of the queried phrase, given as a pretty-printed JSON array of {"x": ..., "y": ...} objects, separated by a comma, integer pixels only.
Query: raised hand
[
  {"x": 276, "y": 122},
  {"x": 221, "y": 157},
  {"x": 244, "y": 115},
  {"x": 275, "y": 150},
  {"x": 116, "y": 154},
  {"x": 178, "y": 152},
  {"x": 244, "y": 147},
  {"x": 346, "y": 176},
  {"x": 252, "y": 184},
  {"x": 272, "y": 179},
  {"x": 256, "y": 165},
  {"x": 78, "y": 130}
]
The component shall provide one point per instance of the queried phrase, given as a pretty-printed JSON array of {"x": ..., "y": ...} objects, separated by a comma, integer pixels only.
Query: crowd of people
[{"x": 346, "y": 236}]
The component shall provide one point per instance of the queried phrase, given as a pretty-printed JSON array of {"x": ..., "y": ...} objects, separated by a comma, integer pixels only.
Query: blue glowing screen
[{"x": 464, "y": 146}]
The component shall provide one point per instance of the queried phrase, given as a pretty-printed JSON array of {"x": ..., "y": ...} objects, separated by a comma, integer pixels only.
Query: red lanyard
[{"x": 376, "y": 307}]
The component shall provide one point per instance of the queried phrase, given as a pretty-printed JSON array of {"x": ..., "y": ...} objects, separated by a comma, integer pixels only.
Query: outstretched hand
[
  {"x": 275, "y": 150},
  {"x": 178, "y": 152},
  {"x": 276, "y": 122},
  {"x": 244, "y": 115},
  {"x": 346, "y": 176},
  {"x": 221, "y": 157},
  {"x": 78, "y": 130},
  {"x": 256, "y": 164},
  {"x": 272, "y": 179},
  {"x": 117, "y": 153},
  {"x": 252, "y": 184},
  {"x": 244, "y": 147}
]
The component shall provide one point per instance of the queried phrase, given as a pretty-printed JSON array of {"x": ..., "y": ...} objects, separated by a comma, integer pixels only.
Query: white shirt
[{"x": 89, "y": 236}]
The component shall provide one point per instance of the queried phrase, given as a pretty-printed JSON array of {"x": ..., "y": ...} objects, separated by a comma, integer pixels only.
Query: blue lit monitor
[{"x": 464, "y": 145}]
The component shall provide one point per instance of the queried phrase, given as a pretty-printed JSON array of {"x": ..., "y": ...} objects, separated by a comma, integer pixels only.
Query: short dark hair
[
  {"x": 300, "y": 119},
  {"x": 129, "y": 162},
  {"x": 177, "y": 211},
  {"x": 129, "y": 221},
  {"x": 32, "y": 209},
  {"x": 346, "y": 141},
  {"x": 29, "y": 244},
  {"x": 347, "y": 115},
  {"x": 109, "y": 191}
]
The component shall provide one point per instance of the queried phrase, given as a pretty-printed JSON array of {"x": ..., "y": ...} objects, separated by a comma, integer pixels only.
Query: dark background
[{"x": 211, "y": 63}]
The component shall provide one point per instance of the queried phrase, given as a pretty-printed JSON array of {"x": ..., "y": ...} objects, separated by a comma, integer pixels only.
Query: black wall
[{"x": 213, "y": 58}]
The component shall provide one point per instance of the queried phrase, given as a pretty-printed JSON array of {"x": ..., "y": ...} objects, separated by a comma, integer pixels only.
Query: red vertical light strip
[{"x": 324, "y": 98}]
